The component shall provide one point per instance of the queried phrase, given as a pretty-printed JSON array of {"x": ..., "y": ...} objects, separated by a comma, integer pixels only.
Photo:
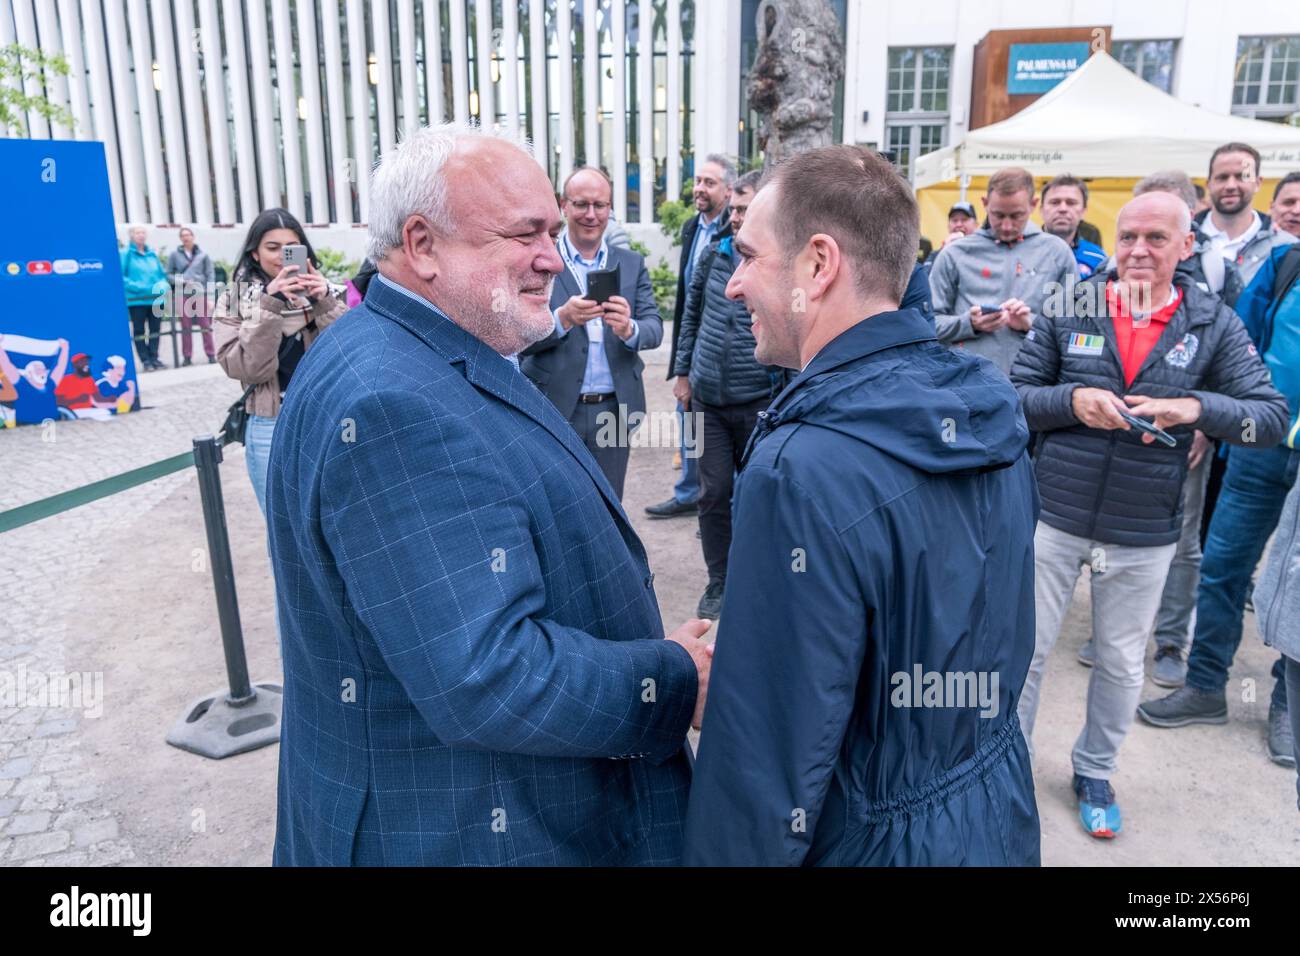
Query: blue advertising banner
[
  {"x": 1037, "y": 67},
  {"x": 65, "y": 339}
]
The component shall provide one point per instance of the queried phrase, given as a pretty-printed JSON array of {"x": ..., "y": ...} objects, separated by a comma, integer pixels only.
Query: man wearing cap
[
  {"x": 989, "y": 288},
  {"x": 962, "y": 221},
  {"x": 78, "y": 390}
]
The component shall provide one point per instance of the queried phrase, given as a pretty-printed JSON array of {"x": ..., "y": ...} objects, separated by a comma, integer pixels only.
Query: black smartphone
[
  {"x": 1142, "y": 425},
  {"x": 990, "y": 309},
  {"x": 602, "y": 284}
]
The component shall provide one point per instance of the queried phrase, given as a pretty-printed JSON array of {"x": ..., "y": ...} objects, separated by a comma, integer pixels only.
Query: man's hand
[
  {"x": 953, "y": 236},
  {"x": 688, "y": 635},
  {"x": 578, "y": 311},
  {"x": 1200, "y": 445},
  {"x": 1019, "y": 316},
  {"x": 1098, "y": 408},
  {"x": 618, "y": 316},
  {"x": 1167, "y": 412},
  {"x": 987, "y": 322},
  {"x": 682, "y": 390}
]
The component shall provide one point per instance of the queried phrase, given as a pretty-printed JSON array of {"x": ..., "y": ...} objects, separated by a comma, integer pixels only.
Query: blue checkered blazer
[{"x": 475, "y": 671}]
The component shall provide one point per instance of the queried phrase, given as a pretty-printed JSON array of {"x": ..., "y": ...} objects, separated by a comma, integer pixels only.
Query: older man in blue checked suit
[{"x": 475, "y": 666}]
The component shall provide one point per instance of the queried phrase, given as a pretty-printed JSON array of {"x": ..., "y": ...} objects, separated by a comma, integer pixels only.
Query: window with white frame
[
  {"x": 916, "y": 103},
  {"x": 1264, "y": 84},
  {"x": 1153, "y": 60}
]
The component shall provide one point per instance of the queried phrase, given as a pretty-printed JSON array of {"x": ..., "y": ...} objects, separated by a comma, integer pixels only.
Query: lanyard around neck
[{"x": 569, "y": 254}]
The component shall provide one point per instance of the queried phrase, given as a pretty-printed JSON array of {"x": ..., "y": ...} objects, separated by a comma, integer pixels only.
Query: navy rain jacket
[{"x": 883, "y": 533}]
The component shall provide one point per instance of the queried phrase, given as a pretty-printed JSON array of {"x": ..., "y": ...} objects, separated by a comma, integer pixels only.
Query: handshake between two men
[
  {"x": 474, "y": 662},
  {"x": 689, "y": 636}
]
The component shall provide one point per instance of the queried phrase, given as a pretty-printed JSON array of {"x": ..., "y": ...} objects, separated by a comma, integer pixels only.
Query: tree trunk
[{"x": 792, "y": 83}]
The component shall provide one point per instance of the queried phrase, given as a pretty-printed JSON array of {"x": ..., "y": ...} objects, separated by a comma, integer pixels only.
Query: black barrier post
[
  {"x": 248, "y": 716},
  {"x": 207, "y": 460},
  {"x": 176, "y": 359}
]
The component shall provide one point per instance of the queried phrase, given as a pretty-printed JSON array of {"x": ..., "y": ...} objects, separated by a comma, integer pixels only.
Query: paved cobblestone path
[{"x": 51, "y": 811}]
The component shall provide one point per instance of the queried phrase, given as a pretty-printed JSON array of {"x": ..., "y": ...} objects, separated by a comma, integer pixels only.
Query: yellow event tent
[{"x": 1107, "y": 126}]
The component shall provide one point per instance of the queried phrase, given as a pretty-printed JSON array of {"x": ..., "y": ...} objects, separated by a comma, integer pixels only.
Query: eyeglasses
[{"x": 582, "y": 207}]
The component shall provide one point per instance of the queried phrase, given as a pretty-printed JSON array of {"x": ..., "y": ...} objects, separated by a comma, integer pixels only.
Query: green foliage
[
  {"x": 335, "y": 266},
  {"x": 663, "y": 279},
  {"x": 18, "y": 64},
  {"x": 672, "y": 216}
]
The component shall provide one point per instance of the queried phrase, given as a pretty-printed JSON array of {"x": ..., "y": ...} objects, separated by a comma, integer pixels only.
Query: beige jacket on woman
[{"x": 249, "y": 331}]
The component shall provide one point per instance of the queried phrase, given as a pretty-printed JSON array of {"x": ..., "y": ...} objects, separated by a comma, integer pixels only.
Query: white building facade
[{"x": 211, "y": 110}]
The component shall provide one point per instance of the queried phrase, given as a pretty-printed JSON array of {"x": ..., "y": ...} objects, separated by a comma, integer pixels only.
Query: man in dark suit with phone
[{"x": 605, "y": 313}]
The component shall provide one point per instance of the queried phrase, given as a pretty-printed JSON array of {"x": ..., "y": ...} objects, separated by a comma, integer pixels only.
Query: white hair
[
  {"x": 410, "y": 181},
  {"x": 726, "y": 165},
  {"x": 1168, "y": 181}
]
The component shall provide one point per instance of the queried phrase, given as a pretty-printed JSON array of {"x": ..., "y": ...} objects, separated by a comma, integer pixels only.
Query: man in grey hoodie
[{"x": 990, "y": 287}]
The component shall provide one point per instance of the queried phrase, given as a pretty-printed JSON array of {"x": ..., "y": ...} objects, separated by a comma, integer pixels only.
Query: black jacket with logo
[{"x": 1109, "y": 486}]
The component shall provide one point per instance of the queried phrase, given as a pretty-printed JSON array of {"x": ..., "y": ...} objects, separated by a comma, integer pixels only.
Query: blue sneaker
[{"x": 1098, "y": 811}]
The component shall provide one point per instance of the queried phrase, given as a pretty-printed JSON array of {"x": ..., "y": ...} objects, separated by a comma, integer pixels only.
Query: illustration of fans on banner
[{"x": 65, "y": 340}]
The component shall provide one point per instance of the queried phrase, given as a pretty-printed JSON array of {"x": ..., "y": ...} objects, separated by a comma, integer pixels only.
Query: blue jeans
[
  {"x": 257, "y": 454},
  {"x": 1254, "y": 489},
  {"x": 687, "y": 489}
]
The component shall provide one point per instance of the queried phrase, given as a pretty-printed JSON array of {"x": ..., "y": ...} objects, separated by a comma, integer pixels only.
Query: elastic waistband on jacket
[{"x": 949, "y": 783}]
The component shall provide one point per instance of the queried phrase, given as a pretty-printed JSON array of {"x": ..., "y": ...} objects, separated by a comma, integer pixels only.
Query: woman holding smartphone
[{"x": 265, "y": 320}]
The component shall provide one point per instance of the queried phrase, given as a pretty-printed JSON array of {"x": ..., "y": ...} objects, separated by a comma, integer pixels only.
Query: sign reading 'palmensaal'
[{"x": 1037, "y": 67}]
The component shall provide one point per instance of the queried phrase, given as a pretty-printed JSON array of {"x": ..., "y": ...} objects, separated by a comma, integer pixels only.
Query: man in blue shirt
[
  {"x": 589, "y": 365},
  {"x": 1065, "y": 201}
]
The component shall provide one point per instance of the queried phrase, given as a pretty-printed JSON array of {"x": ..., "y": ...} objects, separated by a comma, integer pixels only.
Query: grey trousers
[
  {"x": 1176, "y": 619},
  {"x": 1126, "y": 586},
  {"x": 594, "y": 431}
]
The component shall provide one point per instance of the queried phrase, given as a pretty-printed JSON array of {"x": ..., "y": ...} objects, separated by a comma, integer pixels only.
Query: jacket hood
[{"x": 937, "y": 410}]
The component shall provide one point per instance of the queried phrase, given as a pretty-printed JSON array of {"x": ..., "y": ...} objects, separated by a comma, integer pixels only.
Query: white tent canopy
[{"x": 1104, "y": 121}]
